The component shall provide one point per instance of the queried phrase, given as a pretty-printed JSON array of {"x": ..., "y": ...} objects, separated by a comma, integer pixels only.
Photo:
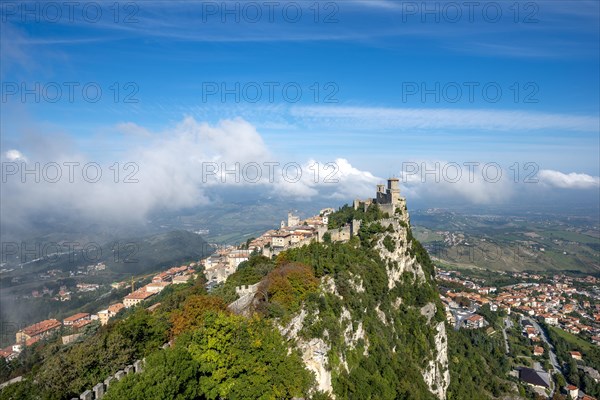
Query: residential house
[
  {"x": 137, "y": 297},
  {"x": 114, "y": 309},
  {"x": 181, "y": 279},
  {"x": 236, "y": 257},
  {"x": 535, "y": 378},
  {"x": 575, "y": 355},
  {"x": 38, "y": 331},
  {"x": 281, "y": 240},
  {"x": 572, "y": 391},
  {"x": 551, "y": 319},
  {"x": 156, "y": 287},
  {"x": 474, "y": 321},
  {"x": 76, "y": 318}
]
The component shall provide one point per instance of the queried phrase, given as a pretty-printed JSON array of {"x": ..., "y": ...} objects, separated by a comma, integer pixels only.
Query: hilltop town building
[
  {"x": 281, "y": 240},
  {"x": 293, "y": 220},
  {"x": 236, "y": 257}
]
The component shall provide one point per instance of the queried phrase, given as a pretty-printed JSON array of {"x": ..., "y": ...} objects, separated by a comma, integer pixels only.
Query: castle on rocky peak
[{"x": 388, "y": 199}]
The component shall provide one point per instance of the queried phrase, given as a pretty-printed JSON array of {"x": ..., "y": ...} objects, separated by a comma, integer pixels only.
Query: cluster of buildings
[
  {"x": 291, "y": 233},
  {"x": 173, "y": 275},
  {"x": 569, "y": 303},
  {"x": 553, "y": 302},
  {"x": 531, "y": 333},
  {"x": 223, "y": 263},
  {"x": 295, "y": 232},
  {"x": 29, "y": 336},
  {"x": 462, "y": 315},
  {"x": 555, "y": 305},
  {"x": 217, "y": 268},
  {"x": 225, "y": 260},
  {"x": 64, "y": 294},
  {"x": 44, "y": 329}
]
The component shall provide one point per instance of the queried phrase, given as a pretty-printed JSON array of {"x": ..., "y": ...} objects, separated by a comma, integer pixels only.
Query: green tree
[
  {"x": 246, "y": 359},
  {"x": 168, "y": 374}
]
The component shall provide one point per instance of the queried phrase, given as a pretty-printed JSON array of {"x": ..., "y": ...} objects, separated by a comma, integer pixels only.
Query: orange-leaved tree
[
  {"x": 289, "y": 284},
  {"x": 191, "y": 316}
]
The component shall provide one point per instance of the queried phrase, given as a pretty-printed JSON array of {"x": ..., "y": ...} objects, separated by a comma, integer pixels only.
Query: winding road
[
  {"x": 553, "y": 359},
  {"x": 507, "y": 325}
]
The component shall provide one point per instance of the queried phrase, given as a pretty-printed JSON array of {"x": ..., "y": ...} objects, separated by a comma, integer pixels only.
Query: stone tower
[
  {"x": 293, "y": 220},
  {"x": 386, "y": 198},
  {"x": 394, "y": 190}
]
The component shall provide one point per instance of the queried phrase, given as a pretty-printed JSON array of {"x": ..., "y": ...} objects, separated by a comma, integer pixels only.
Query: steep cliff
[{"x": 375, "y": 326}]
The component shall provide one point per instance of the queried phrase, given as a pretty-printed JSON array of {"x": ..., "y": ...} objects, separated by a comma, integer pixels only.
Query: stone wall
[
  {"x": 10, "y": 382},
  {"x": 246, "y": 293},
  {"x": 70, "y": 338},
  {"x": 246, "y": 289},
  {"x": 98, "y": 391},
  {"x": 342, "y": 234}
]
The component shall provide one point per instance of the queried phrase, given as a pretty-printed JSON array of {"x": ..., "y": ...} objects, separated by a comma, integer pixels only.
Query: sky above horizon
[{"x": 376, "y": 87}]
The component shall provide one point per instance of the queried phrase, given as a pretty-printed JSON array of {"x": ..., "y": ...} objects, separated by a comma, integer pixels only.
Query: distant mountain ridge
[
  {"x": 163, "y": 250},
  {"x": 135, "y": 255}
]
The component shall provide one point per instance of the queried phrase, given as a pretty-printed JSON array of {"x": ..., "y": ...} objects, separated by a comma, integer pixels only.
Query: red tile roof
[
  {"x": 139, "y": 295},
  {"x": 83, "y": 323},
  {"x": 115, "y": 308},
  {"x": 41, "y": 327},
  {"x": 30, "y": 342},
  {"x": 6, "y": 352},
  {"x": 76, "y": 317}
]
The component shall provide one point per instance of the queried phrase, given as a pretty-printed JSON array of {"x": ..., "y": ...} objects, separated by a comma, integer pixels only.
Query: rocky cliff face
[
  {"x": 436, "y": 373},
  {"x": 383, "y": 306}
]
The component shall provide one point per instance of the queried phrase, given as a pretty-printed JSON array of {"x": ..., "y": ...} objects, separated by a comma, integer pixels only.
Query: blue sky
[{"x": 369, "y": 61}]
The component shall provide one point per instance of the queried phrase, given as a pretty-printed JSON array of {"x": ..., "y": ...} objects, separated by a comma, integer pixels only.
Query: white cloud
[
  {"x": 336, "y": 180},
  {"x": 483, "y": 184},
  {"x": 169, "y": 171},
  {"x": 129, "y": 128},
  {"x": 14, "y": 155},
  {"x": 568, "y": 181},
  {"x": 440, "y": 180},
  {"x": 442, "y": 118},
  {"x": 378, "y": 4}
]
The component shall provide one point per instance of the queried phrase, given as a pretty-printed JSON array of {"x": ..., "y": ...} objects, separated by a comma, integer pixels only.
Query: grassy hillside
[{"x": 510, "y": 243}]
